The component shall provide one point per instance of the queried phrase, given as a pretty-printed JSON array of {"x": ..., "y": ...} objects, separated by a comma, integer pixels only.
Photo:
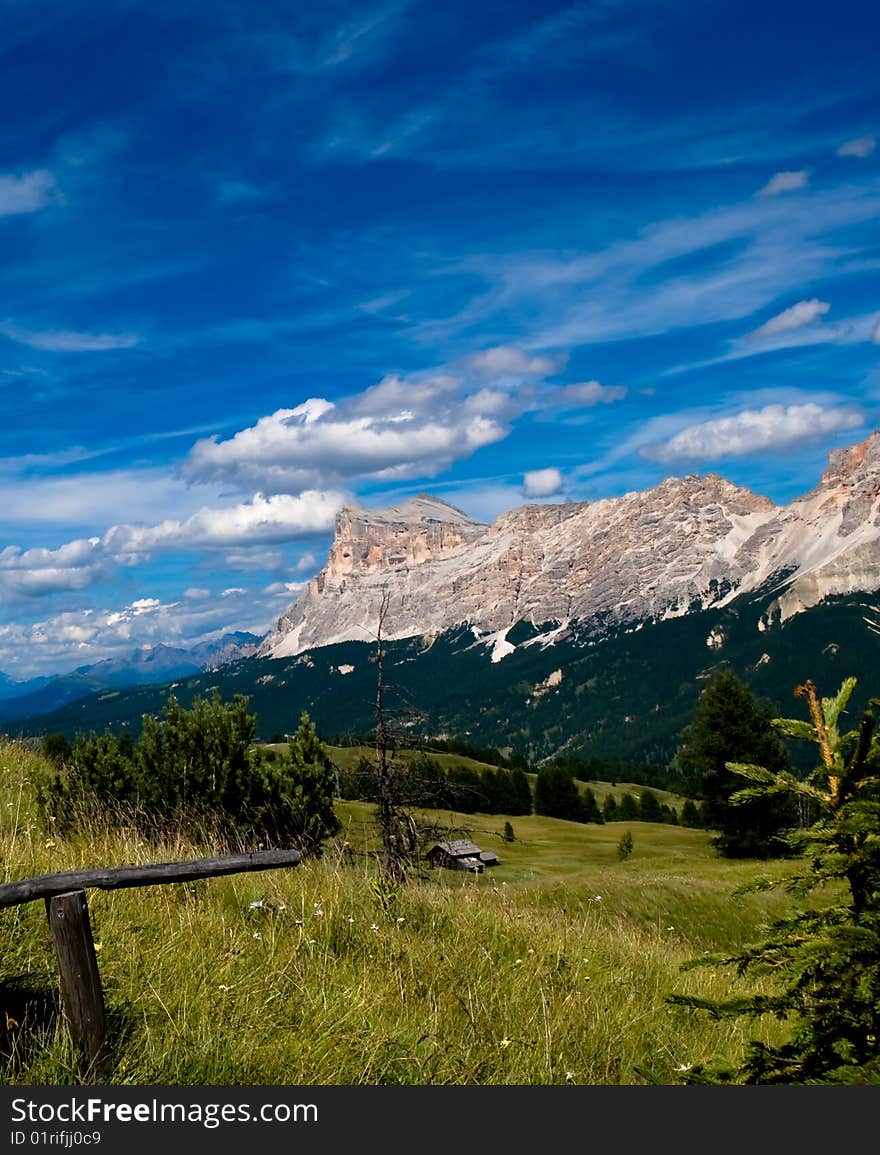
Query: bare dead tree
[{"x": 398, "y": 829}]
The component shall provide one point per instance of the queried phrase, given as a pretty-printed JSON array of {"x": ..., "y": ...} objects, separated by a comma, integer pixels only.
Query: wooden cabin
[{"x": 461, "y": 854}]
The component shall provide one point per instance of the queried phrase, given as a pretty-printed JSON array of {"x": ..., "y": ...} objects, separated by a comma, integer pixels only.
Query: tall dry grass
[{"x": 538, "y": 973}]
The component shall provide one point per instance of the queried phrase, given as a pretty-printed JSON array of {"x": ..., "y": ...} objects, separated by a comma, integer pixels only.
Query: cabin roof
[{"x": 458, "y": 848}]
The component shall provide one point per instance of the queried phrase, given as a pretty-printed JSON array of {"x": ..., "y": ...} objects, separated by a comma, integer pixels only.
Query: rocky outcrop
[
  {"x": 830, "y": 537},
  {"x": 682, "y": 546}
]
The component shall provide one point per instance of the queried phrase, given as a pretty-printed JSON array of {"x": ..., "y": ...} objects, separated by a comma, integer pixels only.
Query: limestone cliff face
[
  {"x": 832, "y": 533},
  {"x": 422, "y": 530},
  {"x": 684, "y": 545}
]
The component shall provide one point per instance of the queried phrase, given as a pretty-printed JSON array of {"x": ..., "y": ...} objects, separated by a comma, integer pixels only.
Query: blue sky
[{"x": 258, "y": 260}]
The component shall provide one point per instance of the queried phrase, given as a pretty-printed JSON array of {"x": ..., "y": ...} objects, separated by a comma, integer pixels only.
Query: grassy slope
[
  {"x": 550, "y": 969},
  {"x": 348, "y": 756}
]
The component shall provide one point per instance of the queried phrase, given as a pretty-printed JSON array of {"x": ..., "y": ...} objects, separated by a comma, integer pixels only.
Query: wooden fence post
[
  {"x": 80, "y": 980},
  {"x": 68, "y": 915}
]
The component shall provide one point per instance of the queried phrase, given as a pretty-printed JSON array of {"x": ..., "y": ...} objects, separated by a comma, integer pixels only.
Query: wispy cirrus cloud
[
  {"x": 93, "y": 500},
  {"x": 860, "y": 146},
  {"x": 68, "y": 340},
  {"x": 674, "y": 274},
  {"x": 783, "y": 182},
  {"x": 751, "y": 431},
  {"x": 28, "y": 192},
  {"x": 849, "y": 331},
  {"x": 795, "y": 317}
]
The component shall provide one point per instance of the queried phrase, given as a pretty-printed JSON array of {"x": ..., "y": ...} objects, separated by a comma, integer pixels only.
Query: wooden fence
[{"x": 68, "y": 914}]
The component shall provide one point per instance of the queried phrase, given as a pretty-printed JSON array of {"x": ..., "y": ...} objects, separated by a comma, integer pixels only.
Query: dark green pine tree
[
  {"x": 557, "y": 795},
  {"x": 690, "y": 815},
  {"x": 730, "y": 725},
  {"x": 592, "y": 813},
  {"x": 609, "y": 808},
  {"x": 465, "y": 789},
  {"x": 822, "y": 963},
  {"x": 628, "y": 809},
  {"x": 492, "y": 787},
  {"x": 424, "y": 783},
  {"x": 306, "y": 783},
  {"x": 520, "y": 792},
  {"x": 650, "y": 809},
  {"x": 625, "y": 846}
]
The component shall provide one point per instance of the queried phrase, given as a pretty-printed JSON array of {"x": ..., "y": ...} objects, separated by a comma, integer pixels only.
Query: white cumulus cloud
[
  {"x": 584, "y": 394},
  {"x": 783, "y": 182},
  {"x": 753, "y": 431},
  {"x": 279, "y": 517},
  {"x": 76, "y": 637},
  {"x": 542, "y": 482},
  {"x": 861, "y": 146},
  {"x": 76, "y": 565},
  {"x": 27, "y": 193},
  {"x": 803, "y": 313},
  {"x": 387, "y": 433},
  {"x": 508, "y": 361}
]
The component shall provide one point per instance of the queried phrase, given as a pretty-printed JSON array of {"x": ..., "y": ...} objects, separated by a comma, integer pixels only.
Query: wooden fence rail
[
  {"x": 117, "y": 877},
  {"x": 68, "y": 913}
]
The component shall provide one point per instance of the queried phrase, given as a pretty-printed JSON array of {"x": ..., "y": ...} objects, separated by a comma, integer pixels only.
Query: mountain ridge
[
  {"x": 687, "y": 543},
  {"x": 148, "y": 665}
]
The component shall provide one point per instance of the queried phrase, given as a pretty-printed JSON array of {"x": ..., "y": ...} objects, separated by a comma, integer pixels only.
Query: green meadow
[{"x": 553, "y": 967}]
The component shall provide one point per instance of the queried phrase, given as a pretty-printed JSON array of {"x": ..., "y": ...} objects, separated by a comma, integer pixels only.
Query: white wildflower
[
  {"x": 257, "y": 934},
  {"x": 256, "y": 904}
]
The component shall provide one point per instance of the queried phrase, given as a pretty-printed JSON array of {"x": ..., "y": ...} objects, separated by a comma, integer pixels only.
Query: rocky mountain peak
[
  {"x": 408, "y": 534},
  {"x": 848, "y": 466},
  {"x": 849, "y": 488},
  {"x": 710, "y": 489},
  {"x": 688, "y": 543}
]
